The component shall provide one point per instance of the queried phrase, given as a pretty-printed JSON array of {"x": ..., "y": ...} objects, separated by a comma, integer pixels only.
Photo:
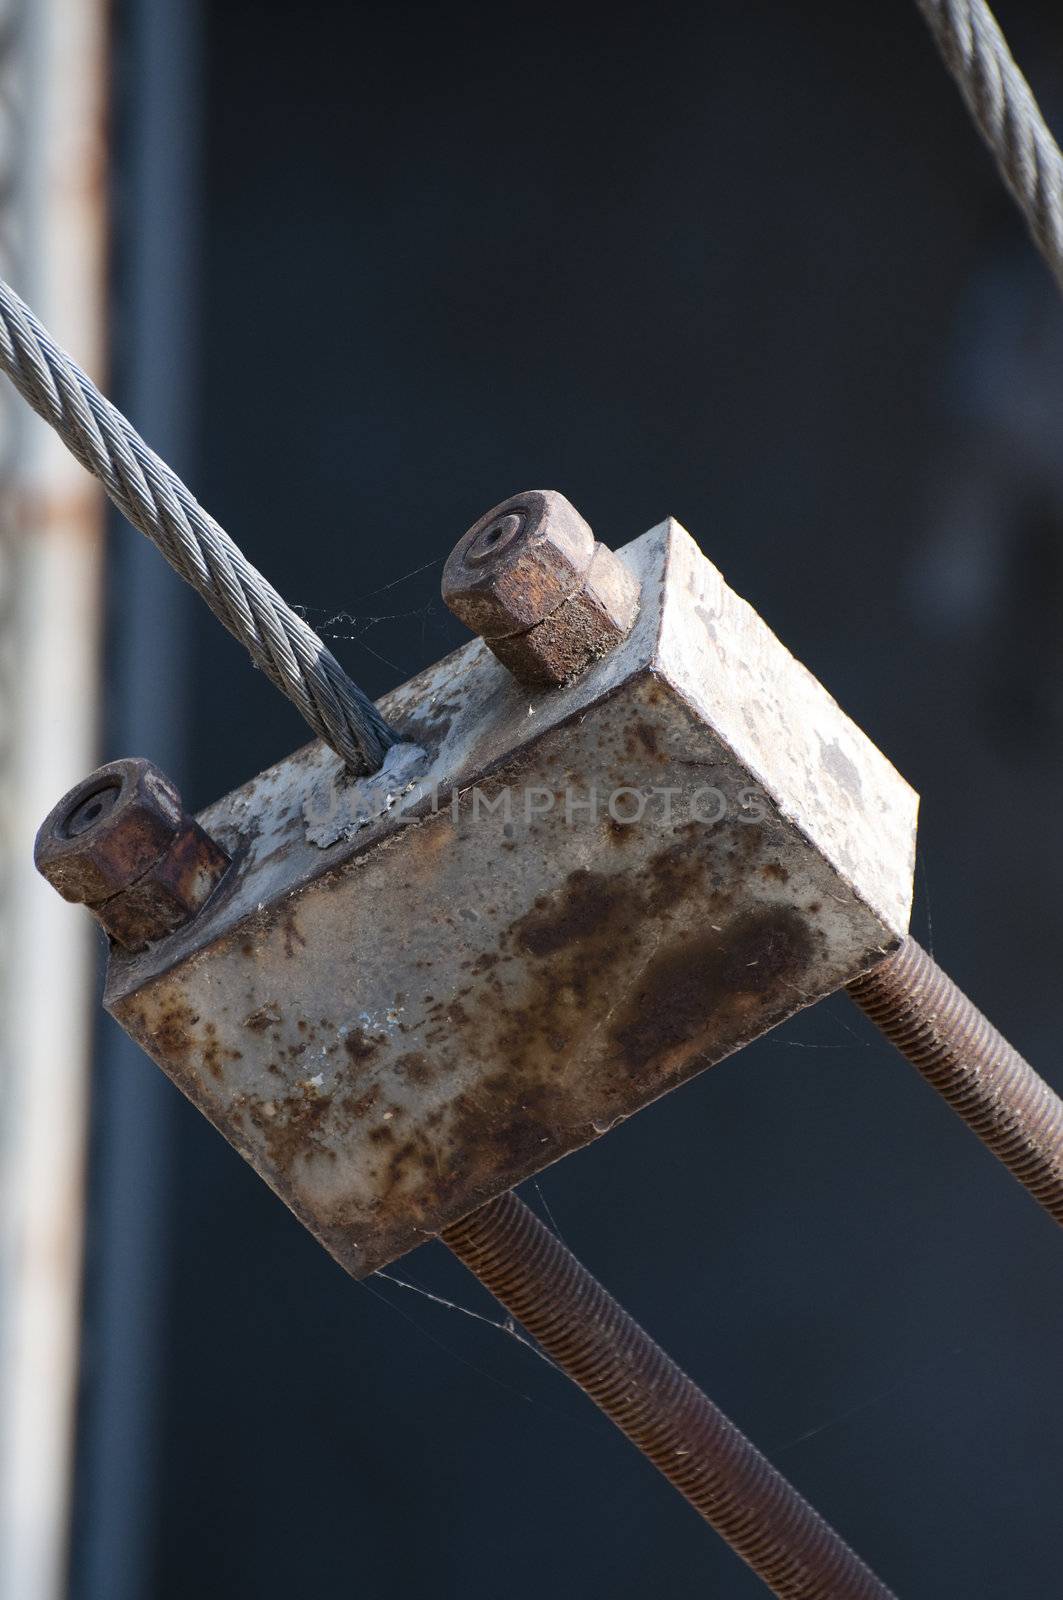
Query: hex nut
[
  {"x": 542, "y": 593},
  {"x": 589, "y": 624},
  {"x": 122, "y": 843},
  {"x": 108, "y": 830},
  {"x": 518, "y": 563},
  {"x": 169, "y": 894}
]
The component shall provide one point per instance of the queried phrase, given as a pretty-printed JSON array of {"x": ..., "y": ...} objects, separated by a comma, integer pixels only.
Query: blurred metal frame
[
  {"x": 155, "y": 251},
  {"x": 54, "y": 77}
]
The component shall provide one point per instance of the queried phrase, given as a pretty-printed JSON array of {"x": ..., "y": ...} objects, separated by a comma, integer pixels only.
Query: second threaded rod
[
  {"x": 702, "y": 1454},
  {"x": 972, "y": 1066}
]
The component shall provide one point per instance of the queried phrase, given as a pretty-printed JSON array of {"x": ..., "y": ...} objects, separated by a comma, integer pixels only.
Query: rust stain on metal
[
  {"x": 589, "y": 910},
  {"x": 692, "y": 996},
  {"x": 173, "y": 1028},
  {"x": 291, "y": 1127},
  {"x": 266, "y": 1016},
  {"x": 360, "y": 1046}
]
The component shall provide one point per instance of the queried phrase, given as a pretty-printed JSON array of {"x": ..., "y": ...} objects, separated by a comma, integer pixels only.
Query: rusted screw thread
[
  {"x": 961, "y": 1054},
  {"x": 701, "y": 1453}
]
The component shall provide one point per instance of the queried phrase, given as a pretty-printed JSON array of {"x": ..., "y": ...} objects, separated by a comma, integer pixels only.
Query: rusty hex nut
[
  {"x": 108, "y": 831},
  {"x": 586, "y": 627},
  {"x": 122, "y": 844},
  {"x": 518, "y": 564},
  {"x": 532, "y": 581},
  {"x": 169, "y": 894}
]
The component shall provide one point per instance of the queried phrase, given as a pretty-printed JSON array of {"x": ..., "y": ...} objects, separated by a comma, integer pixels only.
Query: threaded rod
[
  {"x": 972, "y": 1066},
  {"x": 700, "y": 1452}
]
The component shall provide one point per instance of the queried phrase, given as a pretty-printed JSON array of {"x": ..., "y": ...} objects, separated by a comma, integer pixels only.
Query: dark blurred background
[{"x": 374, "y": 268}]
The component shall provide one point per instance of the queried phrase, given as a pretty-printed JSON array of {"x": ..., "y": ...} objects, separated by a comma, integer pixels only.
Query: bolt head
[
  {"x": 107, "y": 831},
  {"x": 518, "y": 563}
]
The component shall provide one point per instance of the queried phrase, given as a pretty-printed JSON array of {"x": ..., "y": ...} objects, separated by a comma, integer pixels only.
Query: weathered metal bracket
[{"x": 413, "y": 991}]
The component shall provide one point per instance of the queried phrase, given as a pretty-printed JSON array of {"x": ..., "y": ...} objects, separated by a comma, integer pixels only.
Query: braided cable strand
[
  {"x": 960, "y": 1054},
  {"x": 1002, "y": 104},
  {"x": 703, "y": 1455},
  {"x": 155, "y": 500}
]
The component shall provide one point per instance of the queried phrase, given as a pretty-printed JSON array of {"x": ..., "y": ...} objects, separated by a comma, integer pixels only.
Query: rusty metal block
[{"x": 414, "y": 990}]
